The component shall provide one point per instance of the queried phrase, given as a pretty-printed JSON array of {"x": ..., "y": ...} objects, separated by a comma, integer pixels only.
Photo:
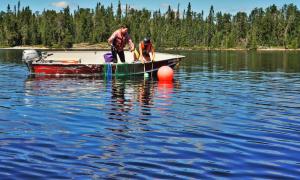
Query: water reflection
[
  {"x": 165, "y": 89},
  {"x": 127, "y": 94},
  {"x": 203, "y": 125},
  {"x": 121, "y": 94},
  {"x": 11, "y": 56},
  {"x": 121, "y": 103},
  {"x": 252, "y": 61}
]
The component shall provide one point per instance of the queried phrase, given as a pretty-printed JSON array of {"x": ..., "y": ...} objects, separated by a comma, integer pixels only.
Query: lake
[{"x": 228, "y": 114}]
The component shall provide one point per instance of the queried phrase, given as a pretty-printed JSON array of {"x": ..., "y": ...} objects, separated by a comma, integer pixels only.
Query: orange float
[{"x": 165, "y": 73}]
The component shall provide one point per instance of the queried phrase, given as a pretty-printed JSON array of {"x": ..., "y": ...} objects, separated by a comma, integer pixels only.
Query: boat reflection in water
[
  {"x": 134, "y": 99},
  {"x": 119, "y": 98}
]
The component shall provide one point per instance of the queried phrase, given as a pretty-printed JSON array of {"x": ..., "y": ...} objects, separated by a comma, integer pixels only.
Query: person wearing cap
[
  {"x": 118, "y": 40},
  {"x": 145, "y": 49}
]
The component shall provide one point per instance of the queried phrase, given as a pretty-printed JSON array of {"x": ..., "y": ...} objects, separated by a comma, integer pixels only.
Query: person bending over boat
[
  {"x": 118, "y": 40},
  {"x": 145, "y": 49}
]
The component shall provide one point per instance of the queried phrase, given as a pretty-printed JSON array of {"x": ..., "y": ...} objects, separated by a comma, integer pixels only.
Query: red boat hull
[
  {"x": 66, "y": 69},
  {"x": 98, "y": 69}
]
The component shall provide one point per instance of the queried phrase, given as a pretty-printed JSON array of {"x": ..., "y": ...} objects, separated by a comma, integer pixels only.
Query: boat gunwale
[{"x": 105, "y": 63}]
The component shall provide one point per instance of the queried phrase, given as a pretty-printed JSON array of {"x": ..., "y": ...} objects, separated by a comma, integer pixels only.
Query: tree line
[{"x": 270, "y": 27}]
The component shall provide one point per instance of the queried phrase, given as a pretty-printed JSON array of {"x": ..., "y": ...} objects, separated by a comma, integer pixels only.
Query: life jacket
[
  {"x": 146, "y": 49},
  {"x": 120, "y": 41}
]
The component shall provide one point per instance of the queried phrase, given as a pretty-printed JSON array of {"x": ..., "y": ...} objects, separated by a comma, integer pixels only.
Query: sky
[{"x": 228, "y": 6}]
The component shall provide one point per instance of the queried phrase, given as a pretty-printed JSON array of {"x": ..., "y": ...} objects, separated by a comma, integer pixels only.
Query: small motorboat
[{"x": 92, "y": 63}]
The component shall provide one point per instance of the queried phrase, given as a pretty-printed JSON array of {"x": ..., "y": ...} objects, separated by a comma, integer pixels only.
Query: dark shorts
[
  {"x": 146, "y": 54},
  {"x": 120, "y": 54}
]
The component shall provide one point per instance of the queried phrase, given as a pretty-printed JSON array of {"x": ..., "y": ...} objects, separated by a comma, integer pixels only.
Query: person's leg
[
  {"x": 114, "y": 54},
  {"x": 121, "y": 56}
]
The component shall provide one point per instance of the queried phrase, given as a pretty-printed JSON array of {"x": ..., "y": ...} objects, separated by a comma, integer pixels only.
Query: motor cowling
[{"x": 30, "y": 55}]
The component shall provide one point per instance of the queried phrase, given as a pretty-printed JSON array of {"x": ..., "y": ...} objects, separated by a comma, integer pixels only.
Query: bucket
[{"x": 108, "y": 57}]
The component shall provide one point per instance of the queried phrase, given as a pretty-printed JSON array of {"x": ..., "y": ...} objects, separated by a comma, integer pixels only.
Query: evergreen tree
[
  {"x": 272, "y": 26},
  {"x": 67, "y": 31},
  {"x": 119, "y": 13},
  {"x": 49, "y": 28},
  {"x": 210, "y": 27},
  {"x": 240, "y": 27},
  {"x": 83, "y": 25}
]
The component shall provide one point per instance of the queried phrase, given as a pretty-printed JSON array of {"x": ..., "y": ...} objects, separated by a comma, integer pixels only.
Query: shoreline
[
  {"x": 102, "y": 46},
  {"x": 233, "y": 49}
]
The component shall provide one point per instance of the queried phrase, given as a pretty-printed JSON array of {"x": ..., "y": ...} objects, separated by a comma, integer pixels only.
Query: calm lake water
[{"x": 226, "y": 115}]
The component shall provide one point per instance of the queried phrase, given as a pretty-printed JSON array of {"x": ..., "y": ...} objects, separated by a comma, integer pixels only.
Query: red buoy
[{"x": 165, "y": 73}]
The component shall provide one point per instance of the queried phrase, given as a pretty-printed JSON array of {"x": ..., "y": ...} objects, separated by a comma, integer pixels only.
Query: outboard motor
[{"x": 30, "y": 55}]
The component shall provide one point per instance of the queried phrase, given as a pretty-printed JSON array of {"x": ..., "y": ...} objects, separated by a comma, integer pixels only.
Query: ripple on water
[{"x": 213, "y": 121}]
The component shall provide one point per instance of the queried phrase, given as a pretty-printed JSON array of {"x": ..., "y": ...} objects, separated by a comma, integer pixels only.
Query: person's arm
[
  {"x": 141, "y": 54},
  {"x": 153, "y": 54},
  {"x": 111, "y": 38},
  {"x": 130, "y": 43}
]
